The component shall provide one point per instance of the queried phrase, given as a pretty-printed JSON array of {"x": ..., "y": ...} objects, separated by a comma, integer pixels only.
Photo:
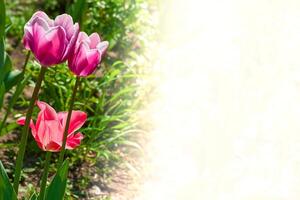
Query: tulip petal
[
  {"x": 49, "y": 131},
  {"x": 70, "y": 49},
  {"x": 51, "y": 47},
  {"x": 78, "y": 118},
  {"x": 53, "y": 147},
  {"x": 94, "y": 40},
  {"x": 42, "y": 15},
  {"x": 21, "y": 121},
  {"x": 102, "y": 47},
  {"x": 82, "y": 36},
  {"x": 46, "y": 113},
  {"x": 86, "y": 60},
  {"x": 28, "y": 38},
  {"x": 91, "y": 62},
  {"x": 66, "y": 22},
  {"x": 37, "y": 30},
  {"x": 74, "y": 140}
]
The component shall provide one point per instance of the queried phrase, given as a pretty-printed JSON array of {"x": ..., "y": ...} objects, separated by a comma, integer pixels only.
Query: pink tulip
[
  {"x": 49, "y": 128},
  {"x": 51, "y": 41},
  {"x": 87, "y": 54}
]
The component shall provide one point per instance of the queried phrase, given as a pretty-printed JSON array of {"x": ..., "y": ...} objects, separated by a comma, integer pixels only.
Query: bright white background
[{"x": 227, "y": 123}]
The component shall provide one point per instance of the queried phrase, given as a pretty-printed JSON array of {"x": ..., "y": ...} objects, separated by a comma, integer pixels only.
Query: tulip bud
[
  {"x": 88, "y": 53},
  {"x": 51, "y": 41}
]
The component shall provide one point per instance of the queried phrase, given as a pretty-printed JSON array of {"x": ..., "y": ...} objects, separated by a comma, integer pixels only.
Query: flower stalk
[
  {"x": 63, "y": 148},
  {"x": 25, "y": 130},
  {"x": 45, "y": 176}
]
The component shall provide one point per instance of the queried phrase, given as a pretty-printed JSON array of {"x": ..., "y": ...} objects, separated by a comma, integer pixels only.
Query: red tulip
[
  {"x": 49, "y": 128},
  {"x": 87, "y": 54},
  {"x": 51, "y": 41}
]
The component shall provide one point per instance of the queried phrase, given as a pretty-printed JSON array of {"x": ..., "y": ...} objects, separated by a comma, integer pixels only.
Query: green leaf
[
  {"x": 77, "y": 10},
  {"x": 8, "y": 25},
  {"x": 11, "y": 103},
  {"x": 33, "y": 197},
  {"x": 133, "y": 144},
  {"x": 120, "y": 93},
  {"x": 57, "y": 187},
  {"x": 9, "y": 128},
  {"x": 2, "y": 52},
  {"x": 6, "y": 190},
  {"x": 2, "y": 32},
  {"x": 18, "y": 91},
  {"x": 2, "y": 92},
  {"x": 12, "y": 78},
  {"x": 6, "y": 67},
  {"x": 2, "y": 18}
]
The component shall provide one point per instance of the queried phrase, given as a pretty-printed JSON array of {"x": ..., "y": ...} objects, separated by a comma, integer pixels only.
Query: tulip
[
  {"x": 49, "y": 128},
  {"x": 51, "y": 41},
  {"x": 88, "y": 53}
]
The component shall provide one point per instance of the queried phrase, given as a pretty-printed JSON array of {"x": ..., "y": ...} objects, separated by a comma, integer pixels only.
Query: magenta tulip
[
  {"x": 51, "y": 41},
  {"x": 88, "y": 53},
  {"x": 49, "y": 128}
]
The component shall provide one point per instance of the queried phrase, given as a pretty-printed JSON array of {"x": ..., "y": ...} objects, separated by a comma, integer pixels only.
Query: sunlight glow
[{"x": 226, "y": 123}]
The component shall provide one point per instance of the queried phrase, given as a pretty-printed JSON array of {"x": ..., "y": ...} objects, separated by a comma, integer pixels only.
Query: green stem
[
  {"x": 45, "y": 176},
  {"x": 18, "y": 86},
  {"x": 26, "y": 61},
  {"x": 63, "y": 149},
  {"x": 25, "y": 130}
]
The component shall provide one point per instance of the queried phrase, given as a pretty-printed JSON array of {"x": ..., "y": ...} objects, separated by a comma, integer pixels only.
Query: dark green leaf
[
  {"x": 2, "y": 32},
  {"x": 57, "y": 187},
  {"x": 11, "y": 103},
  {"x": 2, "y": 18},
  {"x": 6, "y": 67},
  {"x": 18, "y": 91},
  {"x": 6, "y": 190},
  {"x": 12, "y": 78},
  {"x": 77, "y": 10}
]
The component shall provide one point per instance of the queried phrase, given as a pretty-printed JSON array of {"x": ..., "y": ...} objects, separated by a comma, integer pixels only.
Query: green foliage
[
  {"x": 12, "y": 78},
  {"x": 111, "y": 96},
  {"x": 19, "y": 89},
  {"x": 2, "y": 18},
  {"x": 57, "y": 187},
  {"x": 116, "y": 20},
  {"x": 6, "y": 189},
  {"x": 2, "y": 52},
  {"x": 19, "y": 12},
  {"x": 2, "y": 33},
  {"x": 110, "y": 101},
  {"x": 5, "y": 69},
  {"x": 33, "y": 197},
  {"x": 77, "y": 10},
  {"x": 8, "y": 78}
]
